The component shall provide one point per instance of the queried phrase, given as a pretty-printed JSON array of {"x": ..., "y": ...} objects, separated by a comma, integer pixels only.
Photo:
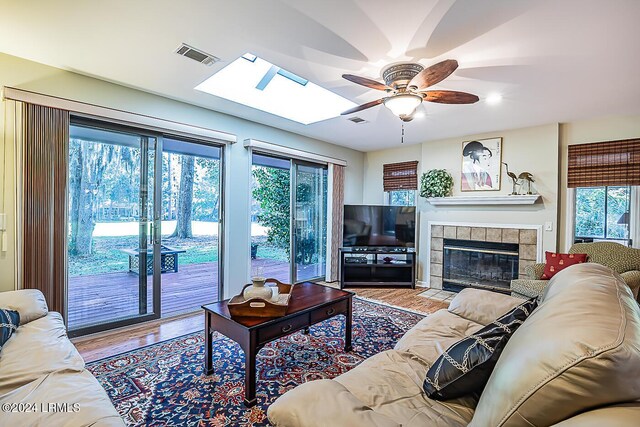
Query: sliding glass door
[
  {"x": 271, "y": 216},
  {"x": 309, "y": 221},
  {"x": 144, "y": 226},
  {"x": 111, "y": 235},
  {"x": 191, "y": 213},
  {"x": 288, "y": 218}
]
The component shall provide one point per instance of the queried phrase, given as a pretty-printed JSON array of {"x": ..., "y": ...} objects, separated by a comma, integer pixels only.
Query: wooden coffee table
[{"x": 310, "y": 303}]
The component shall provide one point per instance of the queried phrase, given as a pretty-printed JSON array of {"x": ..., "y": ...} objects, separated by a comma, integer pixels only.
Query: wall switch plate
[
  {"x": 548, "y": 226},
  {"x": 3, "y": 221}
]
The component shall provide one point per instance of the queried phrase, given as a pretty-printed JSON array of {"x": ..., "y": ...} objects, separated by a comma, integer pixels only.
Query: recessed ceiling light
[{"x": 494, "y": 98}]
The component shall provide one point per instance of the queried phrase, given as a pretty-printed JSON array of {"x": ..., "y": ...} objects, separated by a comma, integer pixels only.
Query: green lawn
[
  {"x": 267, "y": 251},
  {"x": 107, "y": 256}
]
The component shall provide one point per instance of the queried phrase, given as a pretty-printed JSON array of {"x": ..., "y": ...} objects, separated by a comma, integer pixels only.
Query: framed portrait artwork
[{"x": 481, "y": 165}]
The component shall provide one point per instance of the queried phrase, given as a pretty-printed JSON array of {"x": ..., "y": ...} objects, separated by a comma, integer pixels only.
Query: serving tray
[{"x": 259, "y": 307}]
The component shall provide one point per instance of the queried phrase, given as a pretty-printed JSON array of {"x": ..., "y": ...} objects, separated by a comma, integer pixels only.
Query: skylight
[{"x": 257, "y": 83}]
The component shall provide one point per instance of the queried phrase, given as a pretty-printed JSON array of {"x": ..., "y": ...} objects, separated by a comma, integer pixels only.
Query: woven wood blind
[
  {"x": 400, "y": 176},
  {"x": 604, "y": 163}
]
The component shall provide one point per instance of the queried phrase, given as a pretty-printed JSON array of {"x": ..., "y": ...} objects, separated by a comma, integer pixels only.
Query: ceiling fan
[{"x": 407, "y": 85}]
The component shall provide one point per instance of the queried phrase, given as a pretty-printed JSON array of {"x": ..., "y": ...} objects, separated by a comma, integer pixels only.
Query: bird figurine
[
  {"x": 513, "y": 177},
  {"x": 529, "y": 178}
]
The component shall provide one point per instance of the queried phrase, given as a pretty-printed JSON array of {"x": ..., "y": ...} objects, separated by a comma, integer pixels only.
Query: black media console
[{"x": 378, "y": 267}]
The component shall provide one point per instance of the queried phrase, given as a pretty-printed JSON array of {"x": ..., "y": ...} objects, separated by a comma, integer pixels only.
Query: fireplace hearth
[{"x": 477, "y": 264}]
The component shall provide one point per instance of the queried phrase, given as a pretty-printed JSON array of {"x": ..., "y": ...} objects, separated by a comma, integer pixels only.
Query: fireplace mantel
[{"x": 521, "y": 199}]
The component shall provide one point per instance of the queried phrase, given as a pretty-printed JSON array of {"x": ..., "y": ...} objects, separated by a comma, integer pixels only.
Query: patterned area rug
[{"x": 164, "y": 385}]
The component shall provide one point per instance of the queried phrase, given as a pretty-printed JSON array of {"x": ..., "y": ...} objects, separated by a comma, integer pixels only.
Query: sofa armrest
[
  {"x": 534, "y": 271},
  {"x": 324, "y": 403},
  {"x": 632, "y": 279},
  {"x": 482, "y": 306},
  {"x": 529, "y": 288},
  {"x": 30, "y": 303},
  {"x": 623, "y": 415}
]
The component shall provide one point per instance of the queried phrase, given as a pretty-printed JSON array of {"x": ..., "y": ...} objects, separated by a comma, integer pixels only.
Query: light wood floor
[{"x": 105, "y": 344}]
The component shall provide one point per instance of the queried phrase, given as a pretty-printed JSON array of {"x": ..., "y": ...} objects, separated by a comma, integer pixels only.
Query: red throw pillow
[{"x": 558, "y": 262}]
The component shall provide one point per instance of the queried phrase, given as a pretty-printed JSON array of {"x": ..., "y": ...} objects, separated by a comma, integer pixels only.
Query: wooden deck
[{"x": 111, "y": 296}]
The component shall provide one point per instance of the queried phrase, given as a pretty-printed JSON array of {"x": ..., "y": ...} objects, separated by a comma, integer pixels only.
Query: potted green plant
[{"x": 436, "y": 183}]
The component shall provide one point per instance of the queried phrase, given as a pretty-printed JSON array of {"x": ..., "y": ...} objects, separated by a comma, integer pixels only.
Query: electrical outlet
[{"x": 548, "y": 226}]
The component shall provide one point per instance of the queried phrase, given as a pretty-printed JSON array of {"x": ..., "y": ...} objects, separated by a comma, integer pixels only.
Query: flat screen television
[{"x": 379, "y": 226}]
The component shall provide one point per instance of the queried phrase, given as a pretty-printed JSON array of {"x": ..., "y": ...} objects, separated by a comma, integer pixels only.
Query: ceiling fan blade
[
  {"x": 449, "y": 97},
  {"x": 366, "y": 82},
  {"x": 362, "y": 107},
  {"x": 434, "y": 74}
]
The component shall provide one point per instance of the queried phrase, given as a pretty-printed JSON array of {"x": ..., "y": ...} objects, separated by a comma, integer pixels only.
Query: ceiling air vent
[
  {"x": 196, "y": 54},
  {"x": 357, "y": 120}
]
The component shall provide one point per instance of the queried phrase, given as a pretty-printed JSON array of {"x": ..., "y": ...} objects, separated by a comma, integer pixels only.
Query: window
[
  {"x": 603, "y": 213},
  {"x": 401, "y": 197},
  {"x": 400, "y": 182}
]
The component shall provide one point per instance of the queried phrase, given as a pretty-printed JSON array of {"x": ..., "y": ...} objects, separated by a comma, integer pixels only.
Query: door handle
[{"x": 156, "y": 232}]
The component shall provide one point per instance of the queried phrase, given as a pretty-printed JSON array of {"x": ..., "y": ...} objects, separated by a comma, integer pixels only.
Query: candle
[{"x": 275, "y": 293}]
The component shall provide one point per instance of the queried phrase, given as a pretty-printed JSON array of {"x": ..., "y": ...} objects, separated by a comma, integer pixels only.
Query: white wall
[
  {"x": 372, "y": 184},
  {"x": 36, "y": 77},
  {"x": 532, "y": 149},
  {"x": 584, "y": 132}
]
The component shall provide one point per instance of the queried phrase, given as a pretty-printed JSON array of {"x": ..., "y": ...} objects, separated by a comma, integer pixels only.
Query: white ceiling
[{"x": 552, "y": 60}]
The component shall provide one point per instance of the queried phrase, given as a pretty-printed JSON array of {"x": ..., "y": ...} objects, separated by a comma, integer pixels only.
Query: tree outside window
[
  {"x": 402, "y": 197},
  {"x": 602, "y": 213}
]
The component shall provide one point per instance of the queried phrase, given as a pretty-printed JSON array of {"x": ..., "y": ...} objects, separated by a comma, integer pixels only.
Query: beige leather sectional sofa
[
  {"x": 40, "y": 367},
  {"x": 575, "y": 362}
]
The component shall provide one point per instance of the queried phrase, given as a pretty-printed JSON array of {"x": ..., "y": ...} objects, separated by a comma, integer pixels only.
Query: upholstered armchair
[{"x": 619, "y": 258}]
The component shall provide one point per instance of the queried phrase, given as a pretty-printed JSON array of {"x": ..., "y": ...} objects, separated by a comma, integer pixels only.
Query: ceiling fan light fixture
[{"x": 403, "y": 104}]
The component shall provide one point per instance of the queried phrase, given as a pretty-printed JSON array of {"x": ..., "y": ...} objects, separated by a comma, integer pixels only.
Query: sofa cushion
[
  {"x": 431, "y": 336},
  {"x": 482, "y": 306},
  {"x": 556, "y": 262},
  {"x": 390, "y": 383},
  {"x": 623, "y": 415},
  {"x": 465, "y": 367},
  {"x": 323, "y": 403},
  {"x": 83, "y": 402},
  {"x": 9, "y": 321},
  {"x": 578, "y": 351},
  {"x": 30, "y": 303},
  {"x": 36, "y": 349}
]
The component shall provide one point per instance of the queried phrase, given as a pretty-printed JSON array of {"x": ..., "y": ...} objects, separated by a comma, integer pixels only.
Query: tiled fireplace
[{"x": 480, "y": 257}]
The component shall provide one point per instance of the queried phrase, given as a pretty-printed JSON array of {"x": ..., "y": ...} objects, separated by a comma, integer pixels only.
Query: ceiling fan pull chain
[{"x": 402, "y": 139}]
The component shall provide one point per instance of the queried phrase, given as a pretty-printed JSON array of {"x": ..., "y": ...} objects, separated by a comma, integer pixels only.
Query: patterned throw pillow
[
  {"x": 558, "y": 262},
  {"x": 9, "y": 322},
  {"x": 466, "y": 366}
]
